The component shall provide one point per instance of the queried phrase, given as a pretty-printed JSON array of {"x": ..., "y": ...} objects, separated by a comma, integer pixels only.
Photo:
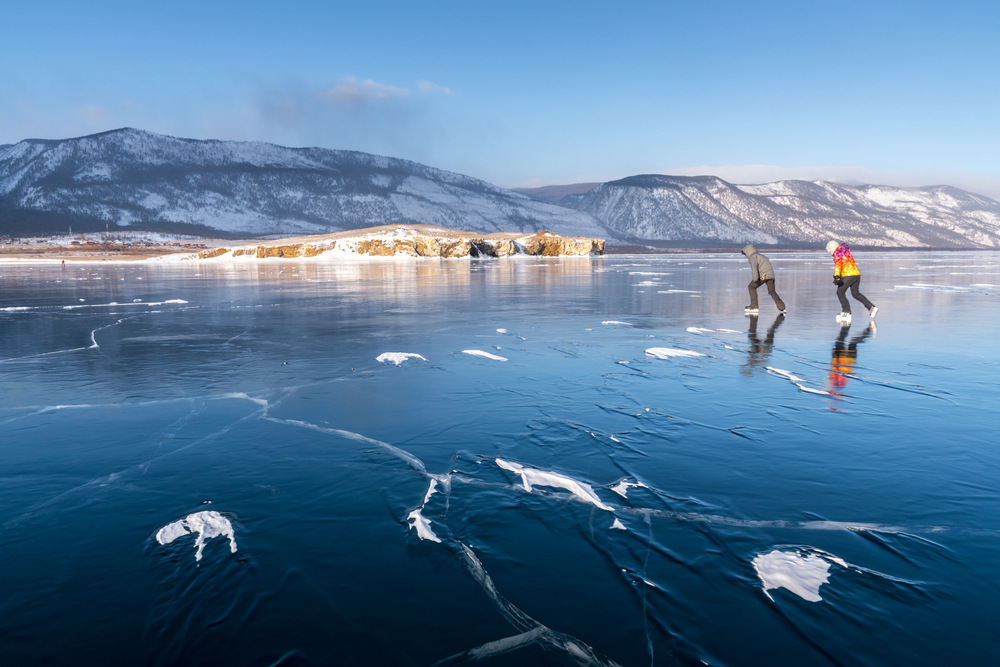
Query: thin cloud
[
  {"x": 430, "y": 88},
  {"x": 352, "y": 91},
  {"x": 94, "y": 114}
]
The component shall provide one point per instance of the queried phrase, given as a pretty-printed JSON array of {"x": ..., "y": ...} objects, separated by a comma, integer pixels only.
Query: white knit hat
[{"x": 831, "y": 246}]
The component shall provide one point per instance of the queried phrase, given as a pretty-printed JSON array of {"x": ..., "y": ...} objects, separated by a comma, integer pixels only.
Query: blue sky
[{"x": 533, "y": 93}]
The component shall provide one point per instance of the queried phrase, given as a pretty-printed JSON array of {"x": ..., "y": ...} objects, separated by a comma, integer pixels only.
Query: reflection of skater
[
  {"x": 847, "y": 276},
  {"x": 760, "y": 350},
  {"x": 845, "y": 354},
  {"x": 761, "y": 274}
]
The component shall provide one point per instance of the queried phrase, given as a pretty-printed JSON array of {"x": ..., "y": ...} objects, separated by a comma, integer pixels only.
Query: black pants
[
  {"x": 854, "y": 283},
  {"x": 752, "y": 288}
]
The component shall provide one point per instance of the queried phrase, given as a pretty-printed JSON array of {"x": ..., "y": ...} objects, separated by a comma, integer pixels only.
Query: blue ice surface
[{"x": 522, "y": 479}]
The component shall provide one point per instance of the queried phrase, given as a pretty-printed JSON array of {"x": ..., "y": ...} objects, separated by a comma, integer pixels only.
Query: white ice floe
[
  {"x": 487, "y": 355},
  {"x": 667, "y": 352},
  {"x": 533, "y": 477},
  {"x": 624, "y": 324},
  {"x": 397, "y": 357},
  {"x": 800, "y": 572},
  {"x": 797, "y": 381},
  {"x": 207, "y": 524},
  {"x": 501, "y": 331}
]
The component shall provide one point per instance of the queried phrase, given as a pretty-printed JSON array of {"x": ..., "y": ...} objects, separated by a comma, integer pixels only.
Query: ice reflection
[
  {"x": 760, "y": 350},
  {"x": 844, "y": 357}
]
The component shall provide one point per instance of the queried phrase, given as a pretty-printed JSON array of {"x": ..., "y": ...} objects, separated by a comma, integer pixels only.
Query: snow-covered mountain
[
  {"x": 136, "y": 180},
  {"x": 698, "y": 208},
  {"x": 139, "y": 180}
]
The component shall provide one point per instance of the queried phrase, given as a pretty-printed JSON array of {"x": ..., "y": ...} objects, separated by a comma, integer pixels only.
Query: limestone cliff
[{"x": 412, "y": 241}]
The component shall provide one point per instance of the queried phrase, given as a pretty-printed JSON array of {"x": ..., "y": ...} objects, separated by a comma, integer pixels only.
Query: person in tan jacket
[{"x": 762, "y": 273}]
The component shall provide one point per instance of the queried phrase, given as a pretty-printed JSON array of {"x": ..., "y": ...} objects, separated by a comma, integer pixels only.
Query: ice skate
[
  {"x": 844, "y": 318},
  {"x": 872, "y": 312},
  {"x": 750, "y": 310}
]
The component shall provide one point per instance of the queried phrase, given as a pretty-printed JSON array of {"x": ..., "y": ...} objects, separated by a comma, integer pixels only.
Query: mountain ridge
[
  {"x": 131, "y": 179},
  {"x": 136, "y": 179},
  {"x": 655, "y": 207}
]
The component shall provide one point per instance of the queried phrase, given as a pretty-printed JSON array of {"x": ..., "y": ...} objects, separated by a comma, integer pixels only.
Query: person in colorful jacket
[
  {"x": 761, "y": 274},
  {"x": 847, "y": 276}
]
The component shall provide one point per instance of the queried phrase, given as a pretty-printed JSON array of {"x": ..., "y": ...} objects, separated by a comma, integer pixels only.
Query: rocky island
[{"x": 411, "y": 241}]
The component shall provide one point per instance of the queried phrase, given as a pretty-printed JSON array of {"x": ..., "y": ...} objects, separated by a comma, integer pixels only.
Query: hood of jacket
[{"x": 749, "y": 250}]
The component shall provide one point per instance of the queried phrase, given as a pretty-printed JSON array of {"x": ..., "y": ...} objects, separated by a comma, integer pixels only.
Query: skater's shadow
[
  {"x": 845, "y": 355},
  {"x": 759, "y": 349}
]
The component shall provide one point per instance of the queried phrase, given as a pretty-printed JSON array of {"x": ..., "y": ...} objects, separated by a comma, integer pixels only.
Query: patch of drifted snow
[
  {"x": 423, "y": 526},
  {"x": 487, "y": 355},
  {"x": 622, "y": 487},
  {"x": 206, "y": 524},
  {"x": 397, "y": 357},
  {"x": 797, "y": 381},
  {"x": 667, "y": 352},
  {"x": 798, "y": 571},
  {"x": 417, "y": 520},
  {"x": 533, "y": 477}
]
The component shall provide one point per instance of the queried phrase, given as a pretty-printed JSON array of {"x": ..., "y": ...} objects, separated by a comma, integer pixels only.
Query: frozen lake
[{"x": 528, "y": 461}]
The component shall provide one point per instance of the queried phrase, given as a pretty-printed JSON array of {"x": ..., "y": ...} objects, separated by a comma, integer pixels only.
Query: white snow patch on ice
[
  {"x": 397, "y": 357},
  {"x": 417, "y": 520},
  {"x": 624, "y": 324},
  {"x": 487, "y": 355},
  {"x": 797, "y": 381},
  {"x": 703, "y": 330},
  {"x": 618, "y": 525},
  {"x": 422, "y": 526},
  {"x": 133, "y": 303},
  {"x": 622, "y": 487},
  {"x": 533, "y": 477},
  {"x": 801, "y": 573},
  {"x": 667, "y": 352},
  {"x": 207, "y": 524}
]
